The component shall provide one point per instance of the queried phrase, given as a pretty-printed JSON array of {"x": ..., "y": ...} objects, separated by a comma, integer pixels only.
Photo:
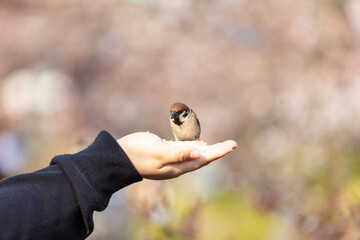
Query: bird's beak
[{"x": 173, "y": 114}]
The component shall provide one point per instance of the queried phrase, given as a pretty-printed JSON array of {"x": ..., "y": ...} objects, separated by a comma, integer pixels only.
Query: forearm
[{"x": 57, "y": 202}]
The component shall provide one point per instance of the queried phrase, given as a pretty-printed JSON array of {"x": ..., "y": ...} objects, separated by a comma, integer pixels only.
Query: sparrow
[{"x": 184, "y": 123}]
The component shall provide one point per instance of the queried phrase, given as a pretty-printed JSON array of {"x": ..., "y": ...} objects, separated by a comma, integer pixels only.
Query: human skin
[{"x": 157, "y": 159}]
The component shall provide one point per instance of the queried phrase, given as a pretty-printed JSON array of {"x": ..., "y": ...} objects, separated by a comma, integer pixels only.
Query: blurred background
[{"x": 282, "y": 78}]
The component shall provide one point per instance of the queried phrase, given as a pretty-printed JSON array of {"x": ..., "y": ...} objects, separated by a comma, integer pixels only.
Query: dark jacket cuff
[{"x": 96, "y": 173}]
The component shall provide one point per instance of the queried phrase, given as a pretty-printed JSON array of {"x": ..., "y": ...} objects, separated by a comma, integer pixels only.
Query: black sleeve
[{"x": 57, "y": 202}]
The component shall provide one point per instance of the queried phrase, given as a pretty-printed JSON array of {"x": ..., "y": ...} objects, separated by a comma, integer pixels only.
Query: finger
[
  {"x": 177, "y": 154},
  {"x": 177, "y": 169},
  {"x": 218, "y": 150},
  {"x": 231, "y": 143}
]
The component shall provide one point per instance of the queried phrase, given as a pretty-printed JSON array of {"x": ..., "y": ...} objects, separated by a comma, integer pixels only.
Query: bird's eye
[{"x": 185, "y": 114}]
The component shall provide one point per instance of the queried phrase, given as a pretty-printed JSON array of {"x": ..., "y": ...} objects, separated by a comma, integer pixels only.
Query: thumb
[{"x": 177, "y": 154}]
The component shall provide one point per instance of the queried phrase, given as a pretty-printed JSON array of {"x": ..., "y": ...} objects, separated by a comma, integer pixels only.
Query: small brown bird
[{"x": 184, "y": 123}]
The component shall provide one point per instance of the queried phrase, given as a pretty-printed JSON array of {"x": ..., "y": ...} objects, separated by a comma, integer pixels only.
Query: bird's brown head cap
[{"x": 176, "y": 107}]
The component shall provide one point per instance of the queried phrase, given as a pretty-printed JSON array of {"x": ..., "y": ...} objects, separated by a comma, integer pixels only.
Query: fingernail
[{"x": 195, "y": 154}]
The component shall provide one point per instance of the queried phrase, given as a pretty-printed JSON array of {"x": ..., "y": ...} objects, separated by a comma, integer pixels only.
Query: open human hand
[{"x": 156, "y": 159}]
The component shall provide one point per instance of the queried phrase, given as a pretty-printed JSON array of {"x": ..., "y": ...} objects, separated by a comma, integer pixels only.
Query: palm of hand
[{"x": 155, "y": 159}]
